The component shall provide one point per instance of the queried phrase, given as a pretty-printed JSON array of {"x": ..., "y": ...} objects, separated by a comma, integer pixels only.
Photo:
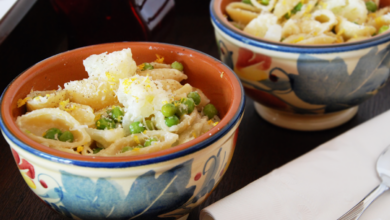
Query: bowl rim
[
  {"x": 218, "y": 20},
  {"x": 232, "y": 117}
]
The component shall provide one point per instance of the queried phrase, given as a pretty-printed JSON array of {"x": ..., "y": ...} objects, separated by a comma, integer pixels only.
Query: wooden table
[{"x": 261, "y": 147}]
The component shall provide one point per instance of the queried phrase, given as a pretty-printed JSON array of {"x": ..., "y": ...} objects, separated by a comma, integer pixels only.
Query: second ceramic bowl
[{"x": 303, "y": 87}]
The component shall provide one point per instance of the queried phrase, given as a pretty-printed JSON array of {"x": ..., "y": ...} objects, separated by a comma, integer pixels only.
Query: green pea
[
  {"x": 168, "y": 109},
  {"x": 187, "y": 105},
  {"x": 66, "y": 136},
  {"x": 117, "y": 114},
  {"x": 383, "y": 29},
  {"x": 127, "y": 148},
  {"x": 149, "y": 124},
  {"x": 97, "y": 150},
  {"x": 172, "y": 120},
  {"x": 149, "y": 141},
  {"x": 52, "y": 133},
  {"x": 177, "y": 65},
  {"x": 194, "y": 96},
  {"x": 264, "y": 2},
  {"x": 105, "y": 123},
  {"x": 210, "y": 111},
  {"x": 297, "y": 8},
  {"x": 147, "y": 66},
  {"x": 190, "y": 104},
  {"x": 181, "y": 109},
  {"x": 371, "y": 6},
  {"x": 137, "y": 127}
]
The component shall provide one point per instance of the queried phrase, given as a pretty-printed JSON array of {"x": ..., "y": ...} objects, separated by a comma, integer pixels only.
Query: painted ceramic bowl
[
  {"x": 165, "y": 184},
  {"x": 303, "y": 87}
]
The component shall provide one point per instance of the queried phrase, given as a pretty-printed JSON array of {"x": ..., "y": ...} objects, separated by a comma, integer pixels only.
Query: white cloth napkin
[{"x": 322, "y": 184}]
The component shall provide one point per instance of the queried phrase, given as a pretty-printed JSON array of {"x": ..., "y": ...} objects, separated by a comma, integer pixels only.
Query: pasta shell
[
  {"x": 165, "y": 141},
  {"x": 160, "y": 65},
  {"x": 242, "y": 13},
  {"x": 283, "y": 7},
  {"x": 82, "y": 113},
  {"x": 269, "y": 7},
  {"x": 170, "y": 85},
  {"x": 199, "y": 127},
  {"x": 94, "y": 92},
  {"x": 37, "y": 122},
  {"x": 105, "y": 137},
  {"x": 349, "y": 30},
  {"x": 185, "y": 122},
  {"x": 45, "y": 99},
  {"x": 164, "y": 73}
]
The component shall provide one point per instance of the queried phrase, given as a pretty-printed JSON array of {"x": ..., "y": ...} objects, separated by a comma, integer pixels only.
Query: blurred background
[{"x": 62, "y": 25}]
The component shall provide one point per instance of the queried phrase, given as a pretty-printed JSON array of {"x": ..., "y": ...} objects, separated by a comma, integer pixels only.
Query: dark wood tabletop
[{"x": 261, "y": 146}]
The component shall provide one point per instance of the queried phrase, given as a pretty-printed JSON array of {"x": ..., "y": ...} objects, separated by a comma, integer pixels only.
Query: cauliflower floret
[
  {"x": 265, "y": 26},
  {"x": 141, "y": 97},
  {"x": 111, "y": 67}
]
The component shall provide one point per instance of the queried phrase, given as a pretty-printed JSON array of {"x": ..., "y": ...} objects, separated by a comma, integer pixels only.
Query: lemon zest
[
  {"x": 79, "y": 149},
  {"x": 22, "y": 102},
  {"x": 141, "y": 66},
  {"x": 160, "y": 59},
  {"x": 97, "y": 117},
  {"x": 341, "y": 32},
  {"x": 63, "y": 106},
  {"x": 136, "y": 139},
  {"x": 110, "y": 77},
  {"x": 298, "y": 39}
]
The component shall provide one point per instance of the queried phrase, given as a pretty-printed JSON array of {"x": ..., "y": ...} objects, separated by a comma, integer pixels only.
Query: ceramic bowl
[
  {"x": 165, "y": 184},
  {"x": 303, "y": 87}
]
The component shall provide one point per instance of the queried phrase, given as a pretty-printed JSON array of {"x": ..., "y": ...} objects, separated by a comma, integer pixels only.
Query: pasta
[
  {"x": 43, "y": 99},
  {"x": 121, "y": 109},
  {"x": 36, "y": 124},
  {"x": 163, "y": 140},
  {"x": 310, "y": 21},
  {"x": 242, "y": 13}
]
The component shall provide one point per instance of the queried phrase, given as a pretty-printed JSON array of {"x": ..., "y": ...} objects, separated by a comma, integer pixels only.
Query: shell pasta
[
  {"x": 310, "y": 21},
  {"x": 121, "y": 109}
]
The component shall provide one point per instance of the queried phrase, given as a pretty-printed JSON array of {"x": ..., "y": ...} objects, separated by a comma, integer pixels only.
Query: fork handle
[{"x": 358, "y": 209}]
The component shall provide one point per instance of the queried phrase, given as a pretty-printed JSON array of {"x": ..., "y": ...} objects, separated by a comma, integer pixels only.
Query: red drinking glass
[{"x": 91, "y": 22}]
